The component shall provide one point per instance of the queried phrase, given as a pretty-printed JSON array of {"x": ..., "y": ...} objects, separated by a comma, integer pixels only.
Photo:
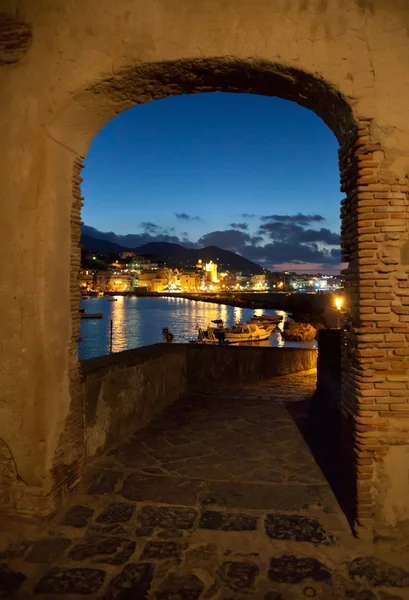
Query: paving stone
[
  {"x": 71, "y": 581},
  {"x": 10, "y": 582},
  {"x": 117, "y": 512},
  {"x": 168, "y": 490},
  {"x": 297, "y": 528},
  {"x": 168, "y": 517},
  {"x": 144, "y": 531},
  {"x": 103, "y": 481},
  {"x": 77, "y": 516},
  {"x": 223, "y": 521},
  {"x": 112, "y": 529},
  {"x": 170, "y": 534},
  {"x": 132, "y": 584},
  {"x": 180, "y": 587},
  {"x": 48, "y": 550},
  {"x": 378, "y": 572},
  {"x": 270, "y": 497},
  {"x": 290, "y": 569},
  {"x": 110, "y": 550},
  {"x": 161, "y": 550},
  {"x": 238, "y": 575},
  {"x": 15, "y": 550},
  {"x": 201, "y": 556}
]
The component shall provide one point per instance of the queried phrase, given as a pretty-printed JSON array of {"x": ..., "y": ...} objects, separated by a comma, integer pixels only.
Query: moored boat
[{"x": 242, "y": 332}]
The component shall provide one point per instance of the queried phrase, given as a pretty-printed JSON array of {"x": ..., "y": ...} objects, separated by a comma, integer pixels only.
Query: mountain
[{"x": 174, "y": 255}]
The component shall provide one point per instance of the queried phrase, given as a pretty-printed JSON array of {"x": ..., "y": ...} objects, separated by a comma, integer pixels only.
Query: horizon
[{"x": 251, "y": 174}]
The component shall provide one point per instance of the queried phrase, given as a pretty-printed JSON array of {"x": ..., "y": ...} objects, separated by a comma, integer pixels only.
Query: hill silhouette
[{"x": 175, "y": 255}]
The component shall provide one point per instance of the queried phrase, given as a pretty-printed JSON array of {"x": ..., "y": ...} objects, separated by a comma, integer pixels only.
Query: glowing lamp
[{"x": 339, "y": 302}]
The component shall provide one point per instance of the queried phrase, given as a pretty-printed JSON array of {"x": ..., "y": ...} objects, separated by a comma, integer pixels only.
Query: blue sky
[{"x": 188, "y": 168}]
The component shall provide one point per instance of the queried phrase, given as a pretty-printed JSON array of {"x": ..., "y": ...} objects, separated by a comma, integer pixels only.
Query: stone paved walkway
[{"x": 217, "y": 498}]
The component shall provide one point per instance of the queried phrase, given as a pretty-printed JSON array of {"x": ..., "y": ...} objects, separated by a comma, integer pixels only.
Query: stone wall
[{"x": 125, "y": 390}]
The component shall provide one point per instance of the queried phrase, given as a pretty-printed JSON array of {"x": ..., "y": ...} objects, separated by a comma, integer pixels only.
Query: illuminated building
[
  {"x": 211, "y": 272},
  {"x": 190, "y": 280},
  {"x": 154, "y": 280}
]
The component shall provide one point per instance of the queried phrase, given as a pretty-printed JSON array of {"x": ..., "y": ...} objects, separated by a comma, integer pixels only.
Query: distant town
[{"x": 128, "y": 272}]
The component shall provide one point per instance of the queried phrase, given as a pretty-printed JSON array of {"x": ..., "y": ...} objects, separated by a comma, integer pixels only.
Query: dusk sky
[{"x": 252, "y": 174}]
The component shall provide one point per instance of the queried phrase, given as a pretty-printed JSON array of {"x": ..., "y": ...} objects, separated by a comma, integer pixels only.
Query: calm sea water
[{"x": 139, "y": 321}]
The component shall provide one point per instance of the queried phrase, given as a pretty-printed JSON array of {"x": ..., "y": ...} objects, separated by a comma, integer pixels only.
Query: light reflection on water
[{"x": 138, "y": 321}]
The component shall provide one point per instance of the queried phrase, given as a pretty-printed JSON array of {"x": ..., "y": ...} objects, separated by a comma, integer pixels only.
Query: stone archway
[
  {"x": 46, "y": 386},
  {"x": 361, "y": 180}
]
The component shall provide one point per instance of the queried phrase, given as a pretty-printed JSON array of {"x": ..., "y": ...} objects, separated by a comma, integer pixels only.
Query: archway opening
[
  {"x": 95, "y": 106},
  {"x": 242, "y": 183}
]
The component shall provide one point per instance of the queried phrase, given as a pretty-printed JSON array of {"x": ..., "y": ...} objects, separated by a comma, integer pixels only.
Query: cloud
[
  {"x": 152, "y": 233},
  {"x": 293, "y": 233},
  {"x": 321, "y": 235},
  {"x": 239, "y": 225},
  {"x": 280, "y": 252},
  {"x": 150, "y": 227},
  {"x": 248, "y": 215},
  {"x": 186, "y": 217},
  {"x": 299, "y": 218},
  {"x": 230, "y": 239}
]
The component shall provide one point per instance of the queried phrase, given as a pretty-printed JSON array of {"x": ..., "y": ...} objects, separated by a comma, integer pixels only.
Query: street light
[{"x": 339, "y": 302}]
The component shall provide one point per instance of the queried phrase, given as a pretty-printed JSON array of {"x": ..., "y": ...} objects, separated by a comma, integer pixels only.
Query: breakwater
[{"x": 289, "y": 302}]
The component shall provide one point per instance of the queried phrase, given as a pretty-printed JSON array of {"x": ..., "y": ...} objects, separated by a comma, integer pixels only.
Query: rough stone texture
[
  {"x": 248, "y": 432},
  {"x": 378, "y": 572},
  {"x": 134, "y": 582},
  {"x": 298, "y": 528},
  {"x": 188, "y": 587},
  {"x": 164, "y": 516},
  {"x": 117, "y": 512},
  {"x": 77, "y": 516},
  {"x": 111, "y": 550},
  {"x": 161, "y": 550},
  {"x": 71, "y": 581},
  {"x": 299, "y": 332},
  {"x": 227, "y": 521},
  {"x": 291, "y": 569},
  {"x": 239, "y": 575}
]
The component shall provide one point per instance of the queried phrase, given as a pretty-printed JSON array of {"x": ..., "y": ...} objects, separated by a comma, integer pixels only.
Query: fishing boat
[
  {"x": 207, "y": 336},
  {"x": 242, "y": 332}
]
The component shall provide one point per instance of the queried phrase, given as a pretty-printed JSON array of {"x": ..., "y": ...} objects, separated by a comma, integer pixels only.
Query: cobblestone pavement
[{"x": 217, "y": 498}]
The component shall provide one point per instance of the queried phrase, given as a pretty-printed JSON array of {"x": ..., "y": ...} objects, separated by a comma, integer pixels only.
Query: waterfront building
[
  {"x": 190, "y": 280},
  {"x": 155, "y": 280}
]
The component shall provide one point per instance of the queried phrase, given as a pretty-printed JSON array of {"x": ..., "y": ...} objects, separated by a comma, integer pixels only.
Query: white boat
[
  {"x": 207, "y": 336},
  {"x": 245, "y": 332}
]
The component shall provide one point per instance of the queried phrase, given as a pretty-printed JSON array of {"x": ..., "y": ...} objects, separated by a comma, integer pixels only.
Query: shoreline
[{"x": 291, "y": 302}]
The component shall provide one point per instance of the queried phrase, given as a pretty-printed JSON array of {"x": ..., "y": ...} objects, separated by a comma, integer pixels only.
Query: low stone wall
[
  {"x": 126, "y": 390},
  {"x": 209, "y": 365}
]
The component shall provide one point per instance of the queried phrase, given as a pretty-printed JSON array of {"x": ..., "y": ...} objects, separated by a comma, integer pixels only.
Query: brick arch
[{"x": 136, "y": 85}]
